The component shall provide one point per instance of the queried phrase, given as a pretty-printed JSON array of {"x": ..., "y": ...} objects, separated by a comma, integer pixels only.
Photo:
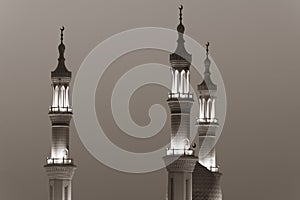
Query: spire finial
[
  {"x": 62, "y": 34},
  {"x": 207, "y": 48},
  {"x": 180, "y": 27},
  {"x": 207, "y": 61},
  {"x": 180, "y": 13}
]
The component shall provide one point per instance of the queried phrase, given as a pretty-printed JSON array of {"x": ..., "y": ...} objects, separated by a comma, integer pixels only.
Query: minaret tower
[
  {"x": 206, "y": 176},
  {"x": 180, "y": 102},
  {"x": 60, "y": 167},
  {"x": 207, "y": 122}
]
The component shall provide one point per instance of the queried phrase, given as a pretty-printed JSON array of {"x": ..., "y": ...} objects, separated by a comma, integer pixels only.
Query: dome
[{"x": 206, "y": 185}]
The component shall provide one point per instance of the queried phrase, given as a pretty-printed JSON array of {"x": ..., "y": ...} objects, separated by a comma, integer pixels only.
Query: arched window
[
  {"x": 188, "y": 81},
  {"x": 203, "y": 108},
  {"x": 213, "y": 109},
  {"x": 67, "y": 97},
  {"x": 208, "y": 110},
  {"x": 182, "y": 74},
  {"x": 200, "y": 108},
  {"x": 56, "y": 96},
  {"x": 62, "y": 96},
  {"x": 176, "y": 81}
]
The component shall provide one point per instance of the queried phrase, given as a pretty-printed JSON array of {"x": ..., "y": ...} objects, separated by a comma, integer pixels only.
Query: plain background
[{"x": 255, "y": 44}]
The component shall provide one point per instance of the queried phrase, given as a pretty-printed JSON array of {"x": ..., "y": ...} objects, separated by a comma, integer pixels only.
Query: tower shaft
[
  {"x": 180, "y": 176},
  {"x": 207, "y": 122},
  {"x": 206, "y": 175},
  {"x": 59, "y": 166},
  {"x": 180, "y": 159}
]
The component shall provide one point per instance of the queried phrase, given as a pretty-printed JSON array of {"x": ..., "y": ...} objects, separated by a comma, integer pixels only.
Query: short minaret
[
  {"x": 207, "y": 122},
  {"x": 59, "y": 166},
  {"x": 180, "y": 102}
]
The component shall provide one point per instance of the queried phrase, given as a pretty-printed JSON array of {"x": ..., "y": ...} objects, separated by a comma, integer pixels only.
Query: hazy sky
[{"x": 254, "y": 43}]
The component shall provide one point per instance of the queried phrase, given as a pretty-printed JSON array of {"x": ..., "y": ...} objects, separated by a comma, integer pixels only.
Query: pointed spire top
[
  {"x": 207, "y": 83},
  {"x": 180, "y": 27},
  {"x": 61, "y": 47},
  {"x": 62, "y": 34},
  {"x": 207, "y": 60},
  {"x": 61, "y": 69},
  {"x": 180, "y": 52}
]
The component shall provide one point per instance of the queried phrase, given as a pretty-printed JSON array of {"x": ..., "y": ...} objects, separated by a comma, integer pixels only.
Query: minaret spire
[
  {"x": 207, "y": 83},
  {"x": 61, "y": 69},
  {"x": 180, "y": 52},
  {"x": 207, "y": 62}
]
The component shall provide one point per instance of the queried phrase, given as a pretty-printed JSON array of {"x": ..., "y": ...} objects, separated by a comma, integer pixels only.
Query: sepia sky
[{"x": 254, "y": 43}]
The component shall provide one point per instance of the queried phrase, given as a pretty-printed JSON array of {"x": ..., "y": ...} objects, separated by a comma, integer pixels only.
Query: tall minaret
[
  {"x": 206, "y": 176},
  {"x": 207, "y": 122},
  {"x": 60, "y": 167},
  {"x": 180, "y": 102}
]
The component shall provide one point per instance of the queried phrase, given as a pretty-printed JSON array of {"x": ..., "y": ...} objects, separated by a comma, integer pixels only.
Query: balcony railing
[
  {"x": 187, "y": 152},
  {"x": 60, "y": 109},
  {"x": 180, "y": 95},
  {"x": 60, "y": 161},
  {"x": 207, "y": 120},
  {"x": 214, "y": 169}
]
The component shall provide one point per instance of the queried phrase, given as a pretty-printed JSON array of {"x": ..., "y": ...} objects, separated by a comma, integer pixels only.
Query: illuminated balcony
[
  {"x": 187, "y": 152},
  {"x": 180, "y": 96},
  {"x": 60, "y": 109},
  {"x": 59, "y": 161},
  {"x": 214, "y": 169},
  {"x": 207, "y": 120}
]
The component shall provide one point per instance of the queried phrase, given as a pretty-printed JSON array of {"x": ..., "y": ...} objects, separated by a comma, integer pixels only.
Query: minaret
[
  {"x": 206, "y": 176},
  {"x": 60, "y": 167},
  {"x": 207, "y": 122},
  {"x": 180, "y": 102}
]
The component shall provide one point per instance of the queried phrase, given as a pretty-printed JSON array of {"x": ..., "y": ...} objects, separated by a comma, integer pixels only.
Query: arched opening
[
  {"x": 62, "y": 97},
  {"x": 173, "y": 80},
  {"x": 188, "y": 81},
  {"x": 56, "y": 94},
  {"x": 213, "y": 109},
  {"x": 203, "y": 108},
  {"x": 182, "y": 74},
  {"x": 67, "y": 97},
  {"x": 176, "y": 81},
  {"x": 208, "y": 109},
  {"x": 200, "y": 108}
]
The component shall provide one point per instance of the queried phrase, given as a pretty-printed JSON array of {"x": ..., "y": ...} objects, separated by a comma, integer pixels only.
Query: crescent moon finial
[
  {"x": 62, "y": 34},
  {"x": 207, "y": 48},
  {"x": 180, "y": 13}
]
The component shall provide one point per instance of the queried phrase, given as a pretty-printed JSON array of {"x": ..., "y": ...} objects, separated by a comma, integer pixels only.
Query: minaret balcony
[
  {"x": 180, "y": 95},
  {"x": 207, "y": 120},
  {"x": 59, "y": 161},
  {"x": 60, "y": 109},
  {"x": 214, "y": 169},
  {"x": 173, "y": 152}
]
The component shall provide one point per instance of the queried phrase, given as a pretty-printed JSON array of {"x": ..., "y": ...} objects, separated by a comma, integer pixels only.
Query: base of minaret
[
  {"x": 60, "y": 181},
  {"x": 180, "y": 171}
]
